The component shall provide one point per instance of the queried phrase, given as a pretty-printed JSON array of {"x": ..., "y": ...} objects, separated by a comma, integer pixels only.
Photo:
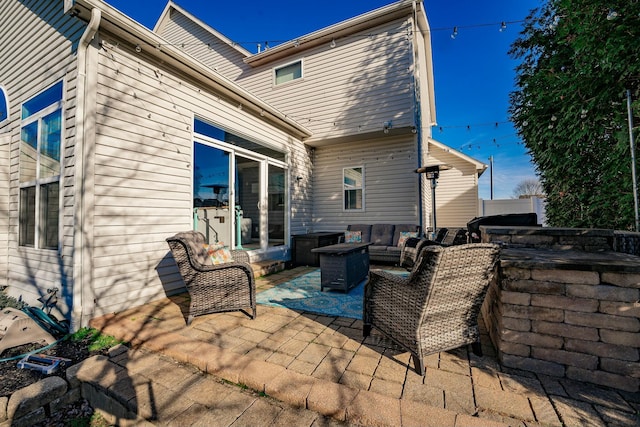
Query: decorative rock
[
  {"x": 3, "y": 408},
  {"x": 34, "y": 396}
]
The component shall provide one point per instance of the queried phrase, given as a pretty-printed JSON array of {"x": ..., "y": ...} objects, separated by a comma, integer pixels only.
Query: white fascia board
[
  {"x": 350, "y": 26},
  {"x": 423, "y": 26},
  {"x": 480, "y": 167},
  {"x": 166, "y": 16},
  {"x": 153, "y": 45}
]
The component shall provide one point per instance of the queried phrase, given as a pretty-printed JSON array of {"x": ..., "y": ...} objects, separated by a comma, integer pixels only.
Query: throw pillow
[
  {"x": 211, "y": 248},
  {"x": 404, "y": 235},
  {"x": 353, "y": 237},
  {"x": 221, "y": 256},
  {"x": 218, "y": 253}
]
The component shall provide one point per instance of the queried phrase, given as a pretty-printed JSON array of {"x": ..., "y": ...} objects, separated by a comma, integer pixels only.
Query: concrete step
[{"x": 262, "y": 268}]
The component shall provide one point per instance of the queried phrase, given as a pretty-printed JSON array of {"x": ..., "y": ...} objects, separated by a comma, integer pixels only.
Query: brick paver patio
[{"x": 322, "y": 363}]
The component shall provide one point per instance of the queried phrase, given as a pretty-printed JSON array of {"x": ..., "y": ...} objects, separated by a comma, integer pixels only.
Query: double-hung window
[
  {"x": 40, "y": 149},
  {"x": 353, "y": 188}
]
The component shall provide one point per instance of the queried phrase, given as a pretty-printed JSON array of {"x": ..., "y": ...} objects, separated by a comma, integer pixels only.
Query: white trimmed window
[
  {"x": 40, "y": 149},
  {"x": 287, "y": 73},
  {"x": 353, "y": 188},
  {"x": 4, "y": 106}
]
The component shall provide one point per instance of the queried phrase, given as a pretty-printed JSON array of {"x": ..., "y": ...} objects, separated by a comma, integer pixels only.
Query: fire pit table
[{"x": 343, "y": 266}]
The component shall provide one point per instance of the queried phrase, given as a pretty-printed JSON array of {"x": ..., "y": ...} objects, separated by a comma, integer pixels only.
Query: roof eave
[
  {"x": 173, "y": 6},
  {"x": 350, "y": 26},
  {"x": 479, "y": 166},
  {"x": 155, "y": 46}
]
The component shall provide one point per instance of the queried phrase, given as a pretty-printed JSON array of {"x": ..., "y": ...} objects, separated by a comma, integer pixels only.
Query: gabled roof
[
  {"x": 342, "y": 29},
  {"x": 152, "y": 45},
  {"x": 166, "y": 16},
  {"x": 480, "y": 167}
]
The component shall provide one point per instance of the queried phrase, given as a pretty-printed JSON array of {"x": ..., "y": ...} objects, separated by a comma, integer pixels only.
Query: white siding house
[
  {"x": 117, "y": 137},
  {"x": 365, "y": 90},
  {"x": 126, "y": 161}
]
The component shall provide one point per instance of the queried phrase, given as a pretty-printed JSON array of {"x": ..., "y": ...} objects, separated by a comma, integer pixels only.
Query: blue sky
[{"x": 473, "y": 73}]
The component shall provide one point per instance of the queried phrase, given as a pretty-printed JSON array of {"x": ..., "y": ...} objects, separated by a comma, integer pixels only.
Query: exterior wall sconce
[
  {"x": 386, "y": 126},
  {"x": 298, "y": 179}
]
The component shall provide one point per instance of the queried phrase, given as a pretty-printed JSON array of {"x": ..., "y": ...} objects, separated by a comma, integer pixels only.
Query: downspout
[
  {"x": 80, "y": 281},
  {"x": 417, "y": 117}
]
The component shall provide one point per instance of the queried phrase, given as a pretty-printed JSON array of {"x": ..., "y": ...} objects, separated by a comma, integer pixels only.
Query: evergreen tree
[{"x": 578, "y": 59}]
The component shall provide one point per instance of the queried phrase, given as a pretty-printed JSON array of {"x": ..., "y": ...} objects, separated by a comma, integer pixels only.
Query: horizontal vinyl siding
[
  {"x": 204, "y": 46},
  {"x": 391, "y": 186},
  {"x": 457, "y": 190},
  {"x": 143, "y": 172},
  {"x": 43, "y": 54},
  {"x": 352, "y": 88}
]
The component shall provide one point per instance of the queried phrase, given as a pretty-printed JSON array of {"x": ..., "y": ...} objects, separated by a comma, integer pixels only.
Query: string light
[
  {"x": 479, "y": 144},
  {"x": 468, "y": 126},
  {"x": 454, "y": 32},
  {"x": 296, "y": 42}
]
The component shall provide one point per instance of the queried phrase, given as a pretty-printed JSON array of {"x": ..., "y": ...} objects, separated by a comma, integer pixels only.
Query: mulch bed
[{"x": 13, "y": 378}]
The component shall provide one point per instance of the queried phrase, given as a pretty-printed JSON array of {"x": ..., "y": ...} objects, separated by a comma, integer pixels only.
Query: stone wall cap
[
  {"x": 546, "y": 231},
  {"x": 605, "y": 261}
]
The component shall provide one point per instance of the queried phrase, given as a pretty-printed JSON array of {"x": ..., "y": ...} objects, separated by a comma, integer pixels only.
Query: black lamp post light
[{"x": 433, "y": 173}]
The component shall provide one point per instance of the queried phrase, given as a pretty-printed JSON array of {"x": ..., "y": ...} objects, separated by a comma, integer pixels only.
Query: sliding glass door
[
  {"x": 212, "y": 198},
  {"x": 240, "y": 196}
]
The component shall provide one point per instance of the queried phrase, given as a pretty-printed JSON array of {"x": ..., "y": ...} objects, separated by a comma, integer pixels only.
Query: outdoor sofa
[{"x": 386, "y": 239}]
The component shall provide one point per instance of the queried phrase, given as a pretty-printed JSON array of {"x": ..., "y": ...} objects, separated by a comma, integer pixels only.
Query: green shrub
[{"x": 8, "y": 301}]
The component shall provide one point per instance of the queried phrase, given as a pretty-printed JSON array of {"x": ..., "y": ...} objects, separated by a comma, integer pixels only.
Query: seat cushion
[
  {"x": 395, "y": 250},
  {"x": 382, "y": 234},
  {"x": 364, "y": 229}
]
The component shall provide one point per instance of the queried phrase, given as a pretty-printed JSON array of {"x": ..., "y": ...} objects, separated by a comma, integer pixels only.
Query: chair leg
[
  {"x": 420, "y": 368},
  {"x": 476, "y": 348},
  {"x": 366, "y": 330}
]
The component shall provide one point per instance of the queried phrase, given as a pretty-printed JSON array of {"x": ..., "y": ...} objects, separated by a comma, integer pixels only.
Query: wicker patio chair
[
  {"x": 414, "y": 245},
  {"x": 213, "y": 288},
  {"x": 436, "y": 308},
  {"x": 412, "y": 249}
]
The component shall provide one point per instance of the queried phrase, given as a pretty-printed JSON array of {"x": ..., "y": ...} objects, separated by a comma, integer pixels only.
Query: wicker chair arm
[
  {"x": 240, "y": 256},
  {"x": 390, "y": 289},
  {"x": 201, "y": 269}
]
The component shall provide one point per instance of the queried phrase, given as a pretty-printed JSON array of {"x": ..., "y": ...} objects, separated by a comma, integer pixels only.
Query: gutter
[
  {"x": 81, "y": 254},
  {"x": 334, "y": 32}
]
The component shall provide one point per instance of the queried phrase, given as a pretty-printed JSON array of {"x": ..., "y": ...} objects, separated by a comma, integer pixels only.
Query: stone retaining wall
[
  {"x": 566, "y": 305},
  {"x": 33, "y": 404}
]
